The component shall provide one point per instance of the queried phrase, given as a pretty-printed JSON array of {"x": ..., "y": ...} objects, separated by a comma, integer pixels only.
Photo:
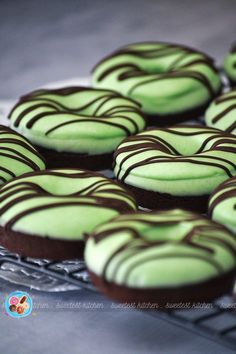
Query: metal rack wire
[{"x": 217, "y": 323}]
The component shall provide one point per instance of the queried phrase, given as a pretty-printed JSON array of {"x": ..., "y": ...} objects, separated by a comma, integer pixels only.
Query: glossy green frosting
[
  {"x": 221, "y": 113},
  {"x": 17, "y": 155},
  {"x": 77, "y": 119},
  {"x": 181, "y": 160},
  {"x": 165, "y": 78},
  {"x": 160, "y": 249},
  {"x": 222, "y": 204},
  {"x": 230, "y": 65},
  {"x": 62, "y": 203}
]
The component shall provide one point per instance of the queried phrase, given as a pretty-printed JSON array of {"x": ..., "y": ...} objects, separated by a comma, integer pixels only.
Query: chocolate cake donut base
[
  {"x": 202, "y": 292},
  {"x": 172, "y": 119},
  {"x": 165, "y": 201},
  {"x": 40, "y": 247},
  {"x": 56, "y": 159},
  {"x": 232, "y": 83}
]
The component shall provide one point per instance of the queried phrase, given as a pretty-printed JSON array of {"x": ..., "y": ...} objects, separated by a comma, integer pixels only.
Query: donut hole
[
  {"x": 49, "y": 185},
  {"x": 181, "y": 150},
  {"x": 180, "y": 146},
  {"x": 87, "y": 103},
  {"x": 180, "y": 229},
  {"x": 153, "y": 58}
]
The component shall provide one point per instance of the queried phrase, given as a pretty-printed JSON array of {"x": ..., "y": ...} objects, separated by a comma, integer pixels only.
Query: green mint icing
[
  {"x": 160, "y": 249},
  {"x": 230, "y": 65},
  {"x": 17, "y": 155},
  {"x": 221, "y": 112},
  {"x": 165, "y": 78},
  {"x": 181, "y": 160},
  {"x": 62, "y": 203},
  {"x": 77, "y": 119},
  {"x": 222, "y": 204}
]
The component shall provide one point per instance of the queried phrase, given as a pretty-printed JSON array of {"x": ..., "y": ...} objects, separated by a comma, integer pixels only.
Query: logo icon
[{"x": 18, "y": 304}]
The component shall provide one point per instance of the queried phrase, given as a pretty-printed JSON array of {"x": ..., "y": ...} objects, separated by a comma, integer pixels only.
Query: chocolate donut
[
  {"x": 46, "y": 214},
  {"x": 230, "y": 65},
  {"x": 172, "y": 82},
  {"x": 221, "y": 113},
  {"x": 162, "y": 257},
  {"x": 17, "y": 155},
  {"x": 222, "y": 204},
  {"x": 76, "y": 126},
  {"x": 175, "y": 167}
]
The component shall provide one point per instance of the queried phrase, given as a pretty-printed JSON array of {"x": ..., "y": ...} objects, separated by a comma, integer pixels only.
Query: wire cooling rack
[{"x": 216, "y": 321}]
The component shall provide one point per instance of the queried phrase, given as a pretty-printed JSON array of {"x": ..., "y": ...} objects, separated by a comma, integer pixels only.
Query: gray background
[
  {"x": 46, "y": 40},
  {"x": 43, "y": 41}
]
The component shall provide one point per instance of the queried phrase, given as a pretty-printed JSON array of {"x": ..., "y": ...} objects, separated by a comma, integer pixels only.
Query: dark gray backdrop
[{"x": 46, "y": 40}]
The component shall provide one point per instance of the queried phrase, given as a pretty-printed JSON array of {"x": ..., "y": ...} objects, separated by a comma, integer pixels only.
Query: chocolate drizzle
[
  {"x": 100, "y": 193},
  {"x": 179, "y": 74},
  {"x": 223, "y": 113},
  {"x": 199, "y": 242},
  {"x": 228, "y": 101},
  {"x": 11, "y": 145},
  {"x": 44, "y": 104},
  {"x": 225, "y": 191},
  {"x": 140, "y": 143},
  {"x": 186, "y": 64}
]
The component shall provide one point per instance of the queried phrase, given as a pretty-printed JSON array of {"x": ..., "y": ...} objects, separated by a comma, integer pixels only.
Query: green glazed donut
[
  {"x": 165, "y": 256},
  {"x": 165, "y": 167},
  {"x": 17, "y": 155},
  {"x": 76, "y": 120},
  {"x": 230, "y": 65},
  {"x": 57, "y": 205},
  {"x": 167, "y": 79},
  {"x": 222, "y": 204},
  {"x": 221, "y": 113}
]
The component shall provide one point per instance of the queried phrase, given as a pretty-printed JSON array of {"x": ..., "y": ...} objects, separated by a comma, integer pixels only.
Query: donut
[
  {"x": 222, "y": 204},
  {"x": 177, "y": 166},
  {"x": 221, "y": 113},
  {"x": 76, "y": 126},
  {"x": 46, "y": 214},
  {"x": 14, "y": 300},
  {"x": 17, "y": 155},
  {"x": 230, "y": 65},
  {"x": 12, "y": 308},
  {"x": 162, "y": 257},
  {"x": 172, "y": 82},
  {"x": 20, "y": 310}
]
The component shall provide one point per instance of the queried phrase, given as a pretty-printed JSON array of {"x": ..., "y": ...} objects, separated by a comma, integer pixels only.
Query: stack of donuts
[{"x": 163, "y": 229}]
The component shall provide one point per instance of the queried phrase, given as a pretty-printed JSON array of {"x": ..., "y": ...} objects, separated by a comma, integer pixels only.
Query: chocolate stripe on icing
[
  {"x": 225, "y": 191},
  {"x": 141, "y": 65},
  {"x": 104, "y": 107},
  {"x": 15, "y": 149},
  {"x": 30, "y": 109},
  {"x": 153, "y": 160},
  {"x": 224, "y": 98},
  {"x": 221, "y": 112},
  {"x": 165, "y": 50},
  {"x": 26, "y": 192},
  {"x": 142, "y": 143},
  {"x": 127, "y": 132},
  {"x": 201, "y": 241},
  {"x": 214, "y": 264},
  {"x": 177, "y": 74}
]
